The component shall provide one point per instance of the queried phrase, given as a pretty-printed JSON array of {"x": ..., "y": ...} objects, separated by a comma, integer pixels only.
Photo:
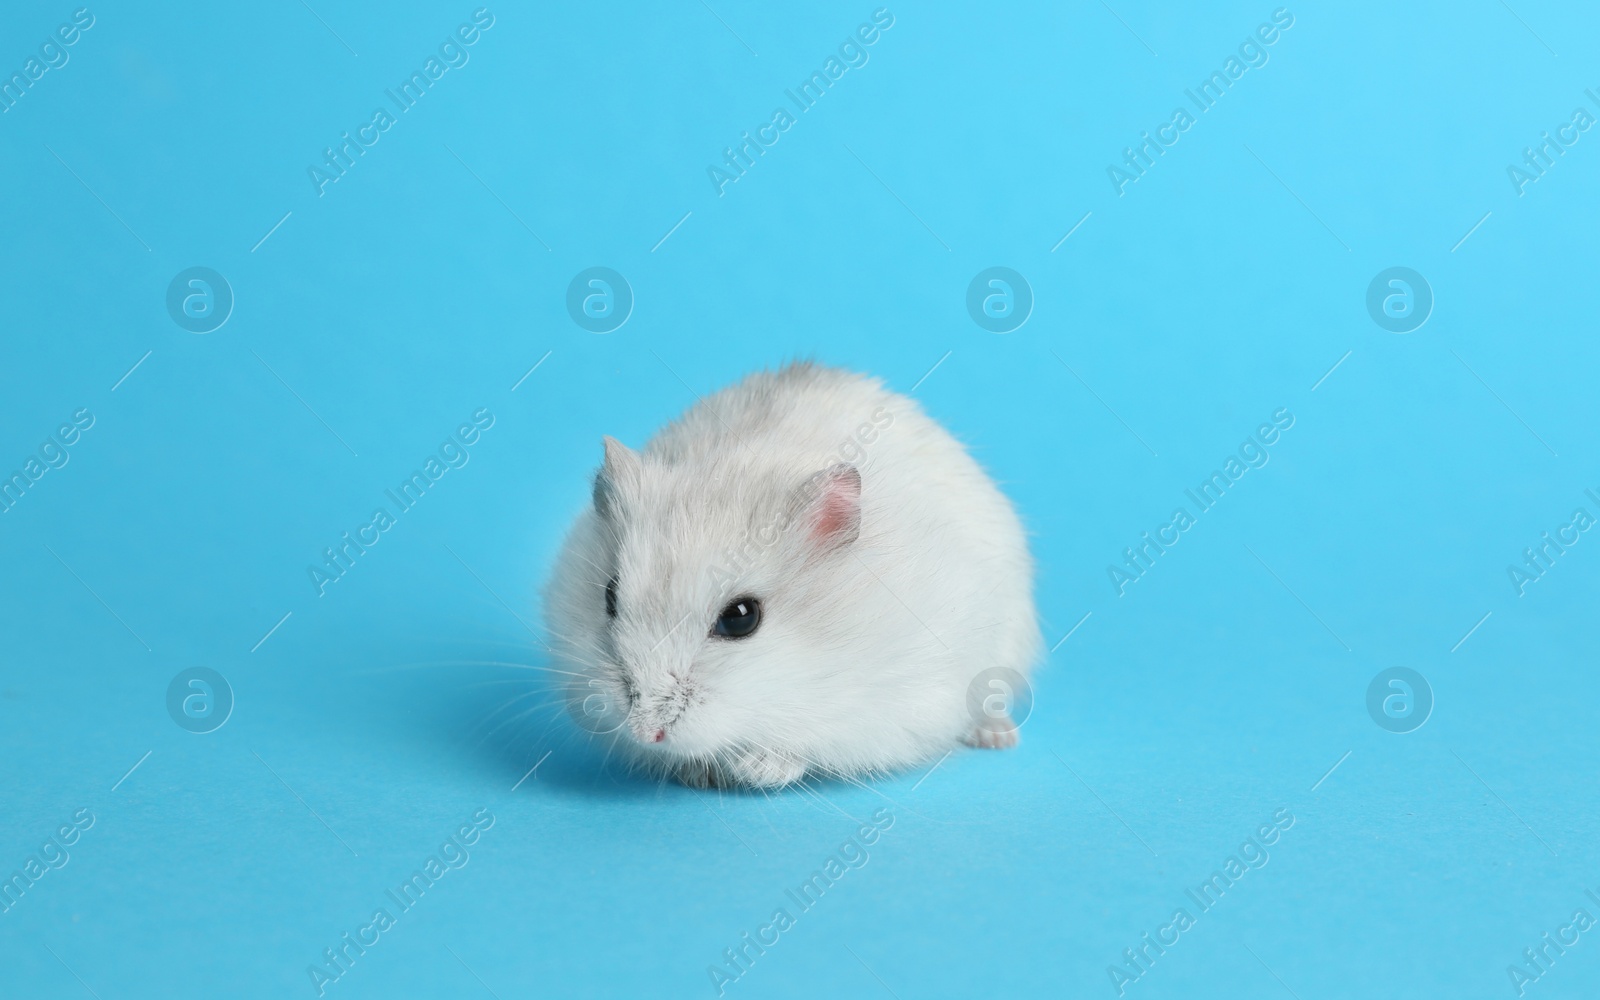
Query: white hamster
[{"x": 803, "y": 574}]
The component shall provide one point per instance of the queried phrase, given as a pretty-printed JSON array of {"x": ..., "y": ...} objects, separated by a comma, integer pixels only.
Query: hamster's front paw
[
  {"x": 751, "y": 769},
  {"x": 1001, "y": 734},
  {"x": 697, "y": 774},
  {"x": 761, "y": 769}
]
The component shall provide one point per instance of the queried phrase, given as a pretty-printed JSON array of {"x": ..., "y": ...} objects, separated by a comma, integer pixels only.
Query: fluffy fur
[{"x": 890, "y": 569}]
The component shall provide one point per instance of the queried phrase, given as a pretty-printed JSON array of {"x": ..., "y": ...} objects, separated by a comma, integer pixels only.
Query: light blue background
[{"x": 1175, "y": 719}]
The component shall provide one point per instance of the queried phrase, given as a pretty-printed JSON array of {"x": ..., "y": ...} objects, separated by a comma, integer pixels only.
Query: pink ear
[{"x": 835, "y": 506}]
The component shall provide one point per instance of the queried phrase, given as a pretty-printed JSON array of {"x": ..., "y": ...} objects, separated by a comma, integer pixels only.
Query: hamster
[{"x": 803, "y": 574}]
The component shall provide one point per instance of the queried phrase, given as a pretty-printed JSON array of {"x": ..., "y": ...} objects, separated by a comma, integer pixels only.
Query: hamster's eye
[
  {"x": 739, "y": 619},
  {"x": 611, "y": 598}
]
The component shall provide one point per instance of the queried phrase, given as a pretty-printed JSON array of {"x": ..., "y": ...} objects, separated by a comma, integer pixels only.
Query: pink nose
[{"x": 660, "y": 734}]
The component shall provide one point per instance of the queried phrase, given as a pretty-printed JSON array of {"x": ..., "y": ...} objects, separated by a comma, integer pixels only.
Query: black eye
[
  {"x": 611, "y": 598},
  {"x": 739, "y": 619}
]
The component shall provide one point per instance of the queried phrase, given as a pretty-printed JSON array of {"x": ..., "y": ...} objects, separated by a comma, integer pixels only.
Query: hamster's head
[{"x": 703, "y": 611}]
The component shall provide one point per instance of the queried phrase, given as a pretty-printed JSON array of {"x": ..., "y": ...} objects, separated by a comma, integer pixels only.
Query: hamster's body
[{"x": 886, "y": 570}]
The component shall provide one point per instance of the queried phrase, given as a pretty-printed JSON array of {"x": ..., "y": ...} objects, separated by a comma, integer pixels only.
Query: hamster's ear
[
  {"x": 620, "y": 471},
  {"x": 827, "y": 507}
]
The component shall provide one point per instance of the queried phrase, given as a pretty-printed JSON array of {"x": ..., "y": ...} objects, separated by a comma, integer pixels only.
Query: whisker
[{"x": 461, "y": 663}]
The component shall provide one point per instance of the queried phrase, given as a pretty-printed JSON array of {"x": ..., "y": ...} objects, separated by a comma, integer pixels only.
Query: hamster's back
[{"x": 800, "y": 409}]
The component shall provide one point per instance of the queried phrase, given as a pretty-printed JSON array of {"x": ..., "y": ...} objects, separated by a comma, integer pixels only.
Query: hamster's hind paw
[{"x": 1000, "y": 734}]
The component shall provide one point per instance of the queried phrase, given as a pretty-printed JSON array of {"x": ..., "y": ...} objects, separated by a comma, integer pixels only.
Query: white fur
[{"x": 866, "y": 650}]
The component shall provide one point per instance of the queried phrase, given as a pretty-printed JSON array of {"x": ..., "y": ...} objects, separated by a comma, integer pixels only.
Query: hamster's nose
[{"x": 644, "y": 732}]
